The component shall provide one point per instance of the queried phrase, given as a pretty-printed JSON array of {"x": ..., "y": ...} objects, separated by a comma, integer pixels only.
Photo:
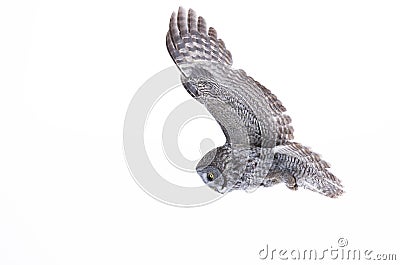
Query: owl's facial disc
[{"x": 213, "y": 178}]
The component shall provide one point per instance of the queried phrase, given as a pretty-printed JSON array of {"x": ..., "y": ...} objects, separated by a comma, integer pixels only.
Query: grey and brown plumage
[{"x": 258, "y": 149}]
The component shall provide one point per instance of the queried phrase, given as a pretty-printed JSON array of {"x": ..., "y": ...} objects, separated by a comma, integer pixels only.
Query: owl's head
[
  {"x": 213, "y": 177},
  {"x": 215, "y": 169}
]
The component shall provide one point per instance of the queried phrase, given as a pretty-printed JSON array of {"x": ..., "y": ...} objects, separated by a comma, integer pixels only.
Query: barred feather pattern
[
  {"x": 306, "y": 167},
  {"x": 194, "y": 48}
]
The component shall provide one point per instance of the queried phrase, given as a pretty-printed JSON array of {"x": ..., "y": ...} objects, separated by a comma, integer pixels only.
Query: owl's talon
[{"x": 290, "y": 182}]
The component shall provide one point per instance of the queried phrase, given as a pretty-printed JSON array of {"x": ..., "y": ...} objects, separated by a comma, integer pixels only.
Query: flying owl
[{"x": 259, "y": 150}]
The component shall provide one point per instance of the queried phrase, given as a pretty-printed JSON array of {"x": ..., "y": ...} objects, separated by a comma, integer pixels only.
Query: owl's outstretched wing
[
  {"x": 307, "y": 167},
  {"x": 198, "y": 52}
]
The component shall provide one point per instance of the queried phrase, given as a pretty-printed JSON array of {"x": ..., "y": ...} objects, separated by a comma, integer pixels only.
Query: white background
[{"x": 68, "y": 70}]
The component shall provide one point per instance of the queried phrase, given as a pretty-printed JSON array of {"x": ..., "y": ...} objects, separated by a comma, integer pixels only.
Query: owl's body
[{"x": 258, "y": 149}]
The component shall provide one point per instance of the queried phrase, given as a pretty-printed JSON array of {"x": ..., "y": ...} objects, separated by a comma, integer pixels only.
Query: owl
[{"x": 259, "y": 150}]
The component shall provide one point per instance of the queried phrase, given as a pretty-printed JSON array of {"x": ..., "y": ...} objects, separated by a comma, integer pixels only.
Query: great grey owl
[{"x": 258, "y": 149}]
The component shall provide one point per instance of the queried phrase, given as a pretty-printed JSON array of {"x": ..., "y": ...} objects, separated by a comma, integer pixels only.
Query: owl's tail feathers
[
  {"x": 321, "y": 184},
  {"x": 308, "y": 170}
]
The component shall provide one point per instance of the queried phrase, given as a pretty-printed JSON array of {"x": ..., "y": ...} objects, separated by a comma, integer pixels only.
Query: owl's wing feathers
[
  {"x": 188, "y": 40},
  {"x": 193, "y": 48},
  {"x": 307, "y": 167}
]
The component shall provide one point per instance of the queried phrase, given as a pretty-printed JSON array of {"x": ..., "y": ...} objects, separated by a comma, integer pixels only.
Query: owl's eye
[{"x": 210, "y": 176}]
